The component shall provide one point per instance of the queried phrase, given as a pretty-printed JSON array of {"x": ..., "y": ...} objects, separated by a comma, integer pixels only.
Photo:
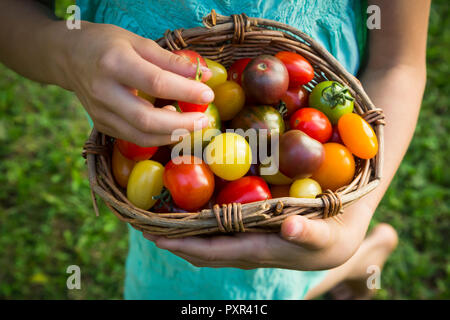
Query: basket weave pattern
[{"x": 226, "y": 39}]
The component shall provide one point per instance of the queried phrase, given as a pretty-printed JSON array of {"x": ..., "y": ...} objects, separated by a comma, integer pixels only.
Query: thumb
[{"x": 308, "y": 233}]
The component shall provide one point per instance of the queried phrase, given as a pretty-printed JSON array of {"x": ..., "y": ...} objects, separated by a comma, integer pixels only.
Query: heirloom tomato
[
  {"x": 244, "y": 190},
  {"x": 229, "y": 156},
  {"x": 299, "y": 154},
  {"x": 332, "y": 98},
  {"x": 358, "y": 136},
  {"x": 299, "y": 69},
  {"x": 305, "y": 188},
  {"x": 219, "y": 73},
  {"x": 192, "y": 56},
  {"x": 337, "y": 169},
  {"x": 189, "y": 181},
  {"x": 134, "y": 152},
  {"x": 194, "y": 107},
  {"x": 121, "y": 167},
  {"x": 259, "y": 117},
  {"x": 229, "y": 99},
  {"x": 145, "y": 183},
  {"x": 265, "y": 79},
  {"x": 236, "y": 70},
  {"x": 312, "y": 122},
  {"x": 294, "y": 99}
]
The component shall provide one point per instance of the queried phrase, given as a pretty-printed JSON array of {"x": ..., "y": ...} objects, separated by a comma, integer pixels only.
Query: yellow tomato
[
  {"x": 229, "y": 156},
  {"x": 145, "y": 182},
  {"x": 219, "y": 73},
  {"x": 305, "y": 188},
  {"x": 337, "y": 168},
  {"x": 229, "y": 99}
]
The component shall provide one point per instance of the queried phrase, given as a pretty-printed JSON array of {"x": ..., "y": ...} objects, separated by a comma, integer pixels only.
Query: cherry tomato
[
  {"x": 312, "y": 122},
  {"x": 236, "y": 70},
  {"x": 145, "y": 182},
  {"x": 219, "y": 73},
  {"x": 276, "y": 178},
  {"x": 332, "y": 98},
  {"x": 335, "y": 137},
  {"x": 299, "y": 69},
  {"x": 280, "y": 191},
  {"x": 358, "y": 136},
  {"x": 191, "y": 56},
  {"x": 121, "y": 167},
  {"x": 193, "y": 107},
  {"x": 337, "y": 169},
  {"x": 189, "y": 181},
  {"x": 244, "y": 190},
  {"x": 229, "y": 156},
  {"x": 305, "y": 188},
  {"x": 229, "y": 99},
  {"x": 294, "y": 99},
  {"x": 134, "y": 152}
]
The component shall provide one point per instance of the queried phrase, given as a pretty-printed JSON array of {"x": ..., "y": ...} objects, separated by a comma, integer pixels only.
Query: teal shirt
[{"x": 152, "y": 273}]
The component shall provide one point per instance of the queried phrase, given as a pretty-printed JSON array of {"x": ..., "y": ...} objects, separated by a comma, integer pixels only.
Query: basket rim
[{"x": 339, "y": 199}]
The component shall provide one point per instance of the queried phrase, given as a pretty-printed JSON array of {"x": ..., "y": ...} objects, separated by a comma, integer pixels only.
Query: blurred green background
[{"x": 47, "y": 222}]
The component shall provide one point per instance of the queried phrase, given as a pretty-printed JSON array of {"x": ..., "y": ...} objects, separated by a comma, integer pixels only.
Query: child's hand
[
  {"x": 315, "y": 245},
  {"x": 105, "y": 61}
]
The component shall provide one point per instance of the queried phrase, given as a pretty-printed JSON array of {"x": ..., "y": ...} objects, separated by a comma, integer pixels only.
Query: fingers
[
  {"x": 152, "y": 52},
  {"x": 114, "y": 126},
  {"x": 308, "y": 233},
  {"x": 133, "y": 71},
  {"x": 145, "y": 118},
  {"x": 220, "y": 248}
]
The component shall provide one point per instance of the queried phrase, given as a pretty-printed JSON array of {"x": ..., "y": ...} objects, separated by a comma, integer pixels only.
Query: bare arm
[{"x": 101, "y": 64}]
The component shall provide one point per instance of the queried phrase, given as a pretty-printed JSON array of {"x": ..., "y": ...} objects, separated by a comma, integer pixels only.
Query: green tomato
[
  {"x": 219, "y": 73},
  {"x": 332, "y": 98}
]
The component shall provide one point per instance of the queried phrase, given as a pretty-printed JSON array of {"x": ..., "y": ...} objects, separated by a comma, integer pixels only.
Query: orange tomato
[
  {"x": 121, "y": 167},
  {"x": 337, "y": 168},
  {"x": 358, "y": 136}
]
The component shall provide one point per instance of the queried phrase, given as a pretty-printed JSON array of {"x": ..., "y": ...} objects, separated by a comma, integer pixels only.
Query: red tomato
[
  {"x": 189, "y": 181},
  {"x": 121, "y": 167},
  {"x": 192, "y": 56},
  {"x": 295, "y": 98},
  {"x": 192, "y": 107},
  {"x": 236, "y": 70},
  {"x": 134, "y": 152},
  {"x": 299, "y": 69},
  {"x": 244, "y": 190},
  {"x": 312, "y": 122}
]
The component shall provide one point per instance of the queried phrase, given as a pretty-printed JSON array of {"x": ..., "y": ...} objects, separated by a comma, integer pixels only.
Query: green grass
[{"x": 47, "y": 222}]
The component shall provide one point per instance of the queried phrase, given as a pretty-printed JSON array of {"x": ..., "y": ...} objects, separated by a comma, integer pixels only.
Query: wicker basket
[{"x": 227, "y": 39}]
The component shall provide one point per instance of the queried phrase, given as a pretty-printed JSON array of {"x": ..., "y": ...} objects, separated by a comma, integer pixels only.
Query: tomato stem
[
  {"x": 164, "y": 198},
  {"x": 198, "y": 72},
  {"x": 282, "y": 108},
  {"x": 336, "y": 94}
]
